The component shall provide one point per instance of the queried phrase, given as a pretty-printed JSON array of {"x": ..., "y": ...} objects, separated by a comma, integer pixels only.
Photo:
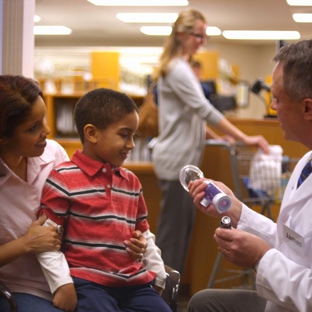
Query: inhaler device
[
  {"x": 213, "y": 195},
  {"x": 225, "y": 223}
]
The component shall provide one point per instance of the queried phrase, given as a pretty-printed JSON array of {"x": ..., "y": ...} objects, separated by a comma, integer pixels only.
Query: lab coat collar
[{"x": 301, "y": 194}]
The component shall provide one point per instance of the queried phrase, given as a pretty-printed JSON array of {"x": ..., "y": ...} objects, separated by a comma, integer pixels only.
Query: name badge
[{"x": 293, "y": 239}]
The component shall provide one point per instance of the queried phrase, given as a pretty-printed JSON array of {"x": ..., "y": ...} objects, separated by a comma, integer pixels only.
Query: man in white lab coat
[{"x": 280, "y": 253}]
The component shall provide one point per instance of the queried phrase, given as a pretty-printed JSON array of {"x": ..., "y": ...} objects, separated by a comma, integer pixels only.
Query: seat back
[
  {"x": 5, "y": 292},
  {"x": 170, "y": 293}
]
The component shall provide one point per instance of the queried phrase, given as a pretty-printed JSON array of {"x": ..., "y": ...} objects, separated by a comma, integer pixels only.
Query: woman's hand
[
  {"x": 39, "y": 238},
  {"x": 136, "y": 246},
  {"x": 228, "y": 138},
  {"x": 257, "y": 140}
]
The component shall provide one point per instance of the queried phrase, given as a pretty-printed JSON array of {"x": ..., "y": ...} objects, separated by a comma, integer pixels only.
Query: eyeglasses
[{"x": 199, "y": 37}]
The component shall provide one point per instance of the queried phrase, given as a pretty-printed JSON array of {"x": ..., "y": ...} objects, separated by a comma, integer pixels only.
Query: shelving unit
[
  {"x": 60, "y": 118},
  {"x": 58, "y": 105},
  {"x": 73, "y": 84}
]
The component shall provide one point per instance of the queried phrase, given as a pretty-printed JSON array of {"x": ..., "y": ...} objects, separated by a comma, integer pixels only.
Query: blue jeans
[
  {"x": 97, "y": 298},
  {"x": 28, "y": 303}
]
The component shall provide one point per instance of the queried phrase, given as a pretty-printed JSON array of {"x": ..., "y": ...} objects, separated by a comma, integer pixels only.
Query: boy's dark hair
[{"x": 102, "y": 107}]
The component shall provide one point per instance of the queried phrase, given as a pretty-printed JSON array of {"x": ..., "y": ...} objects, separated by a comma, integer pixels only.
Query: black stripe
[
  {"x": 142, "y": 218},
  {"x": 126, "y": 192},
  {"x": 67, "y": 241},
  {"x": 129, "y": 277},
  {"x": 84, "y": 192},
  {"x": 98, "y": 217},
  {"x": 67, "y": 169}
]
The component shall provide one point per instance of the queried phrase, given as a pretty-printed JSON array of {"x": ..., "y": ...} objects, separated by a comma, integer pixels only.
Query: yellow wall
[
  {"x": 271, "y": 112},
  {"x": 209, "y": 62},
  {"x": 105, "y": 67}
]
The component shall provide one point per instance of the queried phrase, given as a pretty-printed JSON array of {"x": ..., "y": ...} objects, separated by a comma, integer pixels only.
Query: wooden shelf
[{"x": 54, "y": 103}]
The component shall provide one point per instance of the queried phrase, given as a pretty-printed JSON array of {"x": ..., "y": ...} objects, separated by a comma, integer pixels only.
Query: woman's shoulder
[
  {"x": 178, "y": 62},
  {"x": 52, "y": 145},
  {"x": 55, "y": 149},
  {"x": 179, "y": 68}
]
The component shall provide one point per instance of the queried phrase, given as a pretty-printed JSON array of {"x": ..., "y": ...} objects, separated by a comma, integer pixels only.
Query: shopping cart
[{"x": 260, "y": 192}]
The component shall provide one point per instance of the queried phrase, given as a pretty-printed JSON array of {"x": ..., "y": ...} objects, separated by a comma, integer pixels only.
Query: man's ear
[
  {"x": 90, "y": 133},
  {"x": 307, "y": 108}
]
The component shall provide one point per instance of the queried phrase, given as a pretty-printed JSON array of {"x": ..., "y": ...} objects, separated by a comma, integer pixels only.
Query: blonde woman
[{"x": 183, "y": 114}]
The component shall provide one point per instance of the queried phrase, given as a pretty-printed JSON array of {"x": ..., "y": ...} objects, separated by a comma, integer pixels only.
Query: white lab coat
[{"x": 284, "y": 275}]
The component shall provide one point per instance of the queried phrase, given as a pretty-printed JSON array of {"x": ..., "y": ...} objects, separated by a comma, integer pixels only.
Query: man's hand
[
  {"x": 197, "y": 191},
  {"x": 65, "y": 298},
  {"x": 239, "y": 247}
]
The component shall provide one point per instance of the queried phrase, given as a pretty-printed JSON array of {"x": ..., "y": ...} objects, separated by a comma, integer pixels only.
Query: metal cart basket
[{"x": 260, "y": 190}]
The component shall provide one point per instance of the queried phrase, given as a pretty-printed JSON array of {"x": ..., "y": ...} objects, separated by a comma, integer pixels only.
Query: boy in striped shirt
[{"x": 101, "y": 205}]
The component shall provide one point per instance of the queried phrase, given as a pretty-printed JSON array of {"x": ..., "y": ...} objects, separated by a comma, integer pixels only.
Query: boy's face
[{"x": 113, "y": 144}]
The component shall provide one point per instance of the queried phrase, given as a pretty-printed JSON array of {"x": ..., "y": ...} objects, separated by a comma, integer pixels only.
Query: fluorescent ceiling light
[
  {"x": 299, "y": 2},
  {"x": 52, "y": 30},
  {"x": 139, "y": 2},
  {"x": 166, "y": 30},
  {"x": 260, "y": 35},
  {"x": 147, "y": 17},
  {"x": 156, "y": 30},
  {"x": 37, "y": 18},
  {"x": 302, "y": 17},
  {"x": 213, "y": 31}
]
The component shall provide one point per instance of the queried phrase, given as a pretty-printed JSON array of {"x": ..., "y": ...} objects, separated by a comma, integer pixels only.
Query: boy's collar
[{"x": 92, "y": 167}]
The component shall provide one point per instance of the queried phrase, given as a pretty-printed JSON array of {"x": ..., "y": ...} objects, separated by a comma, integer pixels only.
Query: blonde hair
[{"x": 172, "y": 47}]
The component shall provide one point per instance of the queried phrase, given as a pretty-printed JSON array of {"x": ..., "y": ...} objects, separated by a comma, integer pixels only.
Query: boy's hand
[
  {"x": 136, "y": 246},
  {"x": 65, "y": 298}
]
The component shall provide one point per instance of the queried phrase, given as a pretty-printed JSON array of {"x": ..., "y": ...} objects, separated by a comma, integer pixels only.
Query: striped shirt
[{"x": 100, "y": 206}]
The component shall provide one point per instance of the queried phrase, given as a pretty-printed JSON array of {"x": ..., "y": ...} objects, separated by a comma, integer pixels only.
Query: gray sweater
[{"x": 183, "y": 114}]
